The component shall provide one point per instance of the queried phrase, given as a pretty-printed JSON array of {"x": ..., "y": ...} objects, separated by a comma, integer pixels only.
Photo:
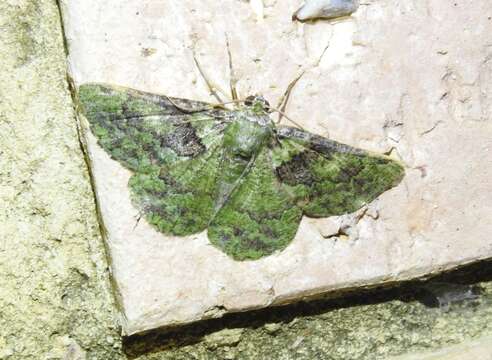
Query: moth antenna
[
  {"x": 288, "y": 118},
  {"x": 231, "y": 102},
  {"x": 182, "y": 109},
  {"x": 207, "y": 108},
  {"x": 282, "y": 104},
  {"x": 211, "y": 87}
]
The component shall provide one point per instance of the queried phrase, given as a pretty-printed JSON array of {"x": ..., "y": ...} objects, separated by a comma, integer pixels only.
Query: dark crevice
[{"x": 62, "y": 25}]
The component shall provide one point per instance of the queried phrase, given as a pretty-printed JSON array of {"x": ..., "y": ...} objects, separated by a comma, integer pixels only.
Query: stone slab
[{"x": 411, "y": 79}]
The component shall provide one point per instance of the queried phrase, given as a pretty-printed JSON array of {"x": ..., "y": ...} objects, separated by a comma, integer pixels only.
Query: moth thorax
[
  {"x": 257, "y": 103},
  {"x": 261, "y": 119},
  {"x": 244, "y": 138}
]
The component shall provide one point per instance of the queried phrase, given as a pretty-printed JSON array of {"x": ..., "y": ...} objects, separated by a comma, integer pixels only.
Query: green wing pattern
[
  {"x": 260, "y": 216},
  {"x": 300, "y": 174},
  {"x": 174, "y": 154},
  {"x": 331, "y": 178}
]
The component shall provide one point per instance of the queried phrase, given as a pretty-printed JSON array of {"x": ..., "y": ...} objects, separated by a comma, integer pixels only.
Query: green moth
[{"x": 234, "y": 173}]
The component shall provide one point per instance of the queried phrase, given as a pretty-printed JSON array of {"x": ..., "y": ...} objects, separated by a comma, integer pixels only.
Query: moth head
[{"x": 258, "y": 103}]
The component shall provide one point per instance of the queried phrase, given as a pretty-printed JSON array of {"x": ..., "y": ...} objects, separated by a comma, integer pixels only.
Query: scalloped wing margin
[{"x": 259, "y": 218}]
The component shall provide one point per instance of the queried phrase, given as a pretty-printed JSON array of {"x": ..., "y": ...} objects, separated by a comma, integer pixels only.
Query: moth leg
[
  {"x": 139, "y": 217},
  {"x": 232, "y": 75},
  {"x": 282, "y": 103},
  {"x": 211, "y": 87}
]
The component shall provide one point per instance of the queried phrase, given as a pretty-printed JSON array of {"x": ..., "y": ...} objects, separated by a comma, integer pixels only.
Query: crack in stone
[{"x": 432, "y": 128}]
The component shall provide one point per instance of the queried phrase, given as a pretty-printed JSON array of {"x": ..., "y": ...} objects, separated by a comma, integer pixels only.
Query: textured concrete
[
  {"x": 363, "y": 328},
  {"x": 395, "y": 78},
  {"x": 55, "y": 301},
  {"x": 480, "y": 349}
]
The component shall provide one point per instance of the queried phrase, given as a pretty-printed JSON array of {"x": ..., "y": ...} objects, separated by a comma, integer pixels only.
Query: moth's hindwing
[
  {"x": 259, "y": 218},
  {"x": 303, "y": 174},
  {"x": 174, "y": 156}
]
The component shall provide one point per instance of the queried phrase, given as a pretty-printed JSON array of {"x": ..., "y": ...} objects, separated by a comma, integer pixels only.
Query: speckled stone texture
[
  {"x": 55, "y": 298},
  {"x": 409, "y": 79},
  {"x": 478, "y": 349}
]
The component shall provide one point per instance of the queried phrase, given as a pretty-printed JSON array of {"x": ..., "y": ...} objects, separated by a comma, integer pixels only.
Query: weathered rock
[
  {"x": 225, "y": 337},
  {"x": 478, "y": 349},
  {"x": 55, "y": 298},
  {"x": 418, "y": 95},
  {"x": 272, "y": 328}
]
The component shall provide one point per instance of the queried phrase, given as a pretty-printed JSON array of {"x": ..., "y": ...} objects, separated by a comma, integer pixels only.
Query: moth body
[
  {"x": 248, "y": 132},
  {"x": 245, "y": 136},
  {"x": 250, "y": 129}
]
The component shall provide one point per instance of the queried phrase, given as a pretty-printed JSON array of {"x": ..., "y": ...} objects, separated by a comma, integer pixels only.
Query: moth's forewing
[
  {"x": 175, "y": 156},
  {"x": 332, "y": 178}
]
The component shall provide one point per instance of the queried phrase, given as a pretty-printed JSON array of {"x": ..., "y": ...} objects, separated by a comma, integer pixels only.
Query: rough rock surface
[
  {"x": 55, "y": 301},
  {"x": 478, "y": 349},
  {"x": 325, "y": 9},
  {"x": 411, "y": 79}
]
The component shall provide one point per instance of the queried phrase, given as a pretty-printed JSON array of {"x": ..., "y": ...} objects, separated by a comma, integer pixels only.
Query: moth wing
[
  {"x": 259, "y": 217},
  {"x": 331, "y": 178},
  {"x": 137, "y": 128},
  {"x": 180, "y": 199},
  {"x": 174, "y": 155}
]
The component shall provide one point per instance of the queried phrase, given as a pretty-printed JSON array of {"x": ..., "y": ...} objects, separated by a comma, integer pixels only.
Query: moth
[{"x": 235, "y": 173}]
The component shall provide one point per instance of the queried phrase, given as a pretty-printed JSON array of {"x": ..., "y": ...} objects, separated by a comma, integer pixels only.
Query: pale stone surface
[{"x": 411, "y": 78}]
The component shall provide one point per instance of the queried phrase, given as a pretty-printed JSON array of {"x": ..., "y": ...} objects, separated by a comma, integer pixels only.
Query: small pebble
[
  {"x": 325, "y": 9},
  {"x": 272, "y": 328}
]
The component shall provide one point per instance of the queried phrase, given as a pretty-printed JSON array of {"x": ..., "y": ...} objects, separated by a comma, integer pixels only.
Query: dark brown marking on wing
[
  {"x": 296, "y": 170},
  {"x": 184, "y": 141}
]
